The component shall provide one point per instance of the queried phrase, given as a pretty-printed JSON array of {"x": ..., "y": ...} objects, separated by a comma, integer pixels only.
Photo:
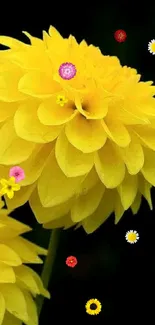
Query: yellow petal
[
  {"x": 2, "y": 308},
  {"x": 85, "y": 135},
  {"x": 136, "y": 204},
  {"x": 44, "y": 215},
  {"x": 109, "y": 166},
  {"x": 72, "y": 161},
  {"x": 9, "y": 319},
  {"x": 51, "y": 113},
  {"x": 19, "y": 245},
  {"x": 7, "y": 274},
  {"x": 12, "y": 43},
  {"x": 34, "y": 40},
  {"x": 133, "y": 157},
  {"x": 146, "y": 135},
  {"x": 7, "y": 110},
  {"x": 13, "y": 150},
  {"x": 95, "y": 105},
  {"x": 4, "y": 182},
  {"x": 86, "y": 204},
  {"x": 38, "y": 280},
  {"x": 145, "y": 189},
  {"x": 9, "y": 256},
  {"x": 127, "y": 190},
  {"x": 25, "y": 276},
  {"x": 9, "y": 86},
  {"x": 20, "y": 198},
  {"x": 9, "y": 193},
  {"x": 118, "y": 209},
  {"x": 65, "y": 222},
  {"x": 101, "y": 214},
  {"x": 31, "y": 309},
  {"x": 148, "y": 169},
  {"x": 14, "y": 300},
  {"x": 116, "y": 131},
  {"x": 88, "y": 183},
  {"x": 54, "y": 187},
  {"x": 38, "y": 84},
  {"x": 34, "y": 165},
  {"x": 131, "y": 116},
  {"x": 28, "y": 126}
]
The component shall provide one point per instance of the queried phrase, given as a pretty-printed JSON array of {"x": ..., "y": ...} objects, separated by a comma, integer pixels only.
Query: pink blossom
[{"x": 17, "y": 172}]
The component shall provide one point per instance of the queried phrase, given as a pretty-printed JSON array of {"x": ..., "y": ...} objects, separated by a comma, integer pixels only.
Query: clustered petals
[{"x": 80, "y": 125}]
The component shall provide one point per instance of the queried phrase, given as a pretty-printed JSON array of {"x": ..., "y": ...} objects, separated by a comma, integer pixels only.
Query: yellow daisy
[
  {"x": 132, "y": 236},
  {"x": 151, "y": 47},
  {"x": 93, "y": 307},
  {"x": 9, "y": 187},
  {"x": 98, "y": 148},
  {"x": 19, "y": 284}
]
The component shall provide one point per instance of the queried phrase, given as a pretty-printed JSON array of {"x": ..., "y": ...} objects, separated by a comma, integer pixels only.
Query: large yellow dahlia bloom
[
  {"x": 80, "y": 125},
  {"x": 18, "y": 282}
]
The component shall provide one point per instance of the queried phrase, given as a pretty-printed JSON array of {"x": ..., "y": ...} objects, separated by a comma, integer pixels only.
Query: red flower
[
  {"x": 120, "y": 35},
  {"x": 71, "y": 261}
]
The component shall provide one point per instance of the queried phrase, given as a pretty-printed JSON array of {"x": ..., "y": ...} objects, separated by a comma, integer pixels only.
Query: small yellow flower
[
  {"x": 61, "y": 100},
  {"x": 132, "y": 236},
  {"x": 9, "y": 187},
  {"x": 93, "y": 307},
  {"x": 151, "y": 47}
]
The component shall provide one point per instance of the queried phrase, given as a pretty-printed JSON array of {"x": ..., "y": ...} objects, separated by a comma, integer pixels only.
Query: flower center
[
  {"x": 67, "y": 71},
  {"x": 9, "y": 187},
  {"x": 93, "y": 306},
  {"x": 132, "y": 236}
]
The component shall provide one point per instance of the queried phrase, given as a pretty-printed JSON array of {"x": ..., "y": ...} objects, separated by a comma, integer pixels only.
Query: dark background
[{"x": 120, "y": 275}]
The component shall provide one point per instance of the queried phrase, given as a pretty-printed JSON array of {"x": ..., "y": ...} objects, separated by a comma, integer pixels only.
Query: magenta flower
[
  {"x": 67, "y": 71},
  {"x": 17, "y": 172}
]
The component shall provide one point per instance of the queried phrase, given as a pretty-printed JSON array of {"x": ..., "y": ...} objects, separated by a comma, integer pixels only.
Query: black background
[{"x": 120, "y": 275}]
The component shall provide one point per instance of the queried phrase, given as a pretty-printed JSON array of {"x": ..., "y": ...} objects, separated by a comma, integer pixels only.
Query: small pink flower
[
  {"x": 67, "y": 71},
  {"x": 17, "y": 172}
]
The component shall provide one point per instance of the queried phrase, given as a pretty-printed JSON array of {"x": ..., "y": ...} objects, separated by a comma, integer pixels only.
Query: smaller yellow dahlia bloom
[{"x": 19, "y": 284}]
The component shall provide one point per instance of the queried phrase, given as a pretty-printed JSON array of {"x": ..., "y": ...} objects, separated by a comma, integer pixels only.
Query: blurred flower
[
  {"x": 99, "y": 148},
  {"x": 9, "y": 187},
  {"x": 61, "y": 100},
  {"x": 120, "y": 35},
  {"x": 93, "y": 307},
  {"x": 71, "y": 261},
  {"x": 18, "y": 283},
  {"x": 132, "y": 236},
  {"x": 151, "y": 47},
  {"x": 17, "y": 172}
]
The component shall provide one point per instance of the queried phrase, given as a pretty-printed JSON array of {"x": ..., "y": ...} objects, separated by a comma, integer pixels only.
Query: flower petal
[
  {"x": 7, "y": 274},
  {"x": 7, "y": 110},
  {"x": 4, "y": 182},
  {"x": 146, "y": 135},
  {"x": 72, "y": 161},
  {"x": 25, "y": 276},
  {"x": 86, "y": 204},
  {"x": 85, "y": 135},
  {"x": 12, "y": 43},
  {"x": 2, "y": 308},
  {"x": 9, "y": 85},
  {"x": 133, "y": 157},
  {"x": 54, "y": 187},
  {"x": 118, "y": 209},
  {"x": 44, "y": 215},
  {"x": 9, "y": 319},
  {"x": 20, "y": 198},
  {"x": 9, "y": 256},
  {"x": 128, "y": 190},
  {"x": 145, "y": 189},
  {"x": 51, "y": 113},
  {"x": 136, "y": 204},
  {"x": 10, "y": 193},
  {"x": 13, "y": 150},
  {"x": 15, "y": 302},
  {"x": 34, "y": 165},
  {"x": 38, "y": 84},
  {"x": 28, "y": 126},
  {"x": 109, "y": 166},
  {"x": 148, "y": 169},
  {"x": 31, "y": 309},
  {"x": 103, "y": 211},
  {"x": 116, "y": 131}
]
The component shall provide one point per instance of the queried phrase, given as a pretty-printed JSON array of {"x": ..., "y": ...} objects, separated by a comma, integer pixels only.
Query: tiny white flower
[
  {"x": 151, "y": 47},
  {"x": 132, "y": 236}
]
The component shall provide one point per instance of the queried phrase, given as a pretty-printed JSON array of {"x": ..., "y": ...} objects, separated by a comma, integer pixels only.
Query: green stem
[{"x": 48, "y": 265}]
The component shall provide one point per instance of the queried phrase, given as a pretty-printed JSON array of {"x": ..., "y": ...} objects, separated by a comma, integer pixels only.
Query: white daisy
[
  {"x": 151, "y": 47},
  {"x": 132, "y": 236}
]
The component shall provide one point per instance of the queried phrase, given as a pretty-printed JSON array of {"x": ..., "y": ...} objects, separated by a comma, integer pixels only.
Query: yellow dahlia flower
[
  {"x": 80, "y": 125},
  {"x": 18, "y": 283}
]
